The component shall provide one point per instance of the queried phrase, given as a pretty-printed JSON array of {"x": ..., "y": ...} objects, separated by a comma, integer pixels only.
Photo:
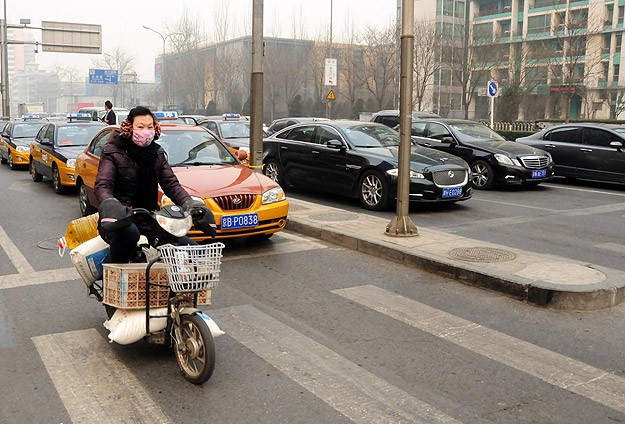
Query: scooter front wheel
[{"x": 196, "y": 354}]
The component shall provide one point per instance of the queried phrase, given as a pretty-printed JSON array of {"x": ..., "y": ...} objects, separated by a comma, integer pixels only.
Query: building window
[
  {"x": 539, "y": 24},
  {"x": 621, "y": 11},
  {"x": 616, "y": 72},
  {"x": 460, "y": 9}
]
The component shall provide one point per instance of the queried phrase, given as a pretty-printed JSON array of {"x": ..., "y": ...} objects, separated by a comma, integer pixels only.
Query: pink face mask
[{"x": 142, "y": 138}]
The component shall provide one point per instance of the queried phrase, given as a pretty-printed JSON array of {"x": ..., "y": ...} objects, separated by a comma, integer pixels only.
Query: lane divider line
[{"x": 19, "y": 261}]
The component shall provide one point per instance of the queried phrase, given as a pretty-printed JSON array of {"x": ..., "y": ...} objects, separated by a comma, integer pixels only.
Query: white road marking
[
  {"x": 351, "y": 390},
  {"x": 587, "y": 190},
  {"x": 593, "y": 383},
  {"x": 93, "y": 384},
  {"x": 19, "y": 261},
  {"x": 68, "y": 274},
  {"x": 615, "y": 247},
  {"x": 38, "y": 277}
]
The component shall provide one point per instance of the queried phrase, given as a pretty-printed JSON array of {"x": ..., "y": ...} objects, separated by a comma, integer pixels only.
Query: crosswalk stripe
[
  {"x": 93, "y": 384},
  {"x": 19, "y": 261},
  {"x": 354, "y": 392},
  {"x": 38, "y": 277},
  {"x": 593, "y": 383},
  {"x": 66, "y": 274}
]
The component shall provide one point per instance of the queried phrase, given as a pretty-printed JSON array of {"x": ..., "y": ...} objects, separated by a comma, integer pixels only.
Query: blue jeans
[{"x": 123, "y": 243}]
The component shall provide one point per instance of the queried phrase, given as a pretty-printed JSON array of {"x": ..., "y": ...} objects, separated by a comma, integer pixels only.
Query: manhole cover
[
  {"x": 334, "y": 216},
  {"x": 482, "y": 254}
]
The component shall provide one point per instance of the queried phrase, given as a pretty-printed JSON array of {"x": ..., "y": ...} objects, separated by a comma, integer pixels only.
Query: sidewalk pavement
[{"x": 544, "y": 280}]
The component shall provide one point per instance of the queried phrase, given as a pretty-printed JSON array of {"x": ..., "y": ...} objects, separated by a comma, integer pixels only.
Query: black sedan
[
  {"x": 493, "y": 160},
  {"x": 360, "y": 160},
  {"x": 55, "y": 148},
  {"x": 591, "y": 151}
]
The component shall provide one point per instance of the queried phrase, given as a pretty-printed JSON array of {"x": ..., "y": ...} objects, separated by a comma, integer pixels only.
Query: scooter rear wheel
[{"x": 196, "y": 356}]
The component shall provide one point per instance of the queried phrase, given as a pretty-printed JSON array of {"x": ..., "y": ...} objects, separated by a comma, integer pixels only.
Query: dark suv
[{"x": 390, "y": 118}]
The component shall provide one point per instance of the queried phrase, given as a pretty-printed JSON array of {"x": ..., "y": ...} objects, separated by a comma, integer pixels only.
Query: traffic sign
[
  {"x": 331, "y": 95},
  {"x": 492, "y": 89},
  {"x": 103, "y": 76},
  {"x": 331, "y": 73}
]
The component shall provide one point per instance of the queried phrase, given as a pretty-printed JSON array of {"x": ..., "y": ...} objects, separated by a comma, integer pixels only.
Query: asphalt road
[
  {"x": 314, "y": 334},
  {"x": 581, "y": 220}
]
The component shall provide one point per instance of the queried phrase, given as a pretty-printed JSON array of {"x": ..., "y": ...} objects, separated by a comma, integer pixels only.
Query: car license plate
[
  {"x": 539, "y": 173},
  {"x": 239, "y": 221},
  {"x": 452, "y": 192}
]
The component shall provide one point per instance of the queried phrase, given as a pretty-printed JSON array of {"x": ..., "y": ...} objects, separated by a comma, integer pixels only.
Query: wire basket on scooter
[{"x": 192, "y": 268}]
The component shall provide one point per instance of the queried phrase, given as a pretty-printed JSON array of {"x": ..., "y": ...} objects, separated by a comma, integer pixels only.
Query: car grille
[
  {"x": 235, "y": 202},
  {"x": 535, "y": 162},
  {"x": 449, "y": 177}
]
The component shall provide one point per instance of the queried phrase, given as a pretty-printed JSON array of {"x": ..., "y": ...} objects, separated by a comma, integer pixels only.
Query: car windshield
[
  {"x": 372, "y": 136},
  {"x": 472, "y": 131},
  {"x": 194, "y": 148},
  {"x": 27, "y": 130},
  {"x": 238, "y": 129},
  {"x": 619, "y": 130},
  {"x": 76, "y": 135}
]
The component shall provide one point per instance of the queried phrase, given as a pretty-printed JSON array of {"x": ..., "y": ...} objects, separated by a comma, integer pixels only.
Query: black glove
[
  {"x": 114, "y": 215},
  {"x": 203, "y": 218}
]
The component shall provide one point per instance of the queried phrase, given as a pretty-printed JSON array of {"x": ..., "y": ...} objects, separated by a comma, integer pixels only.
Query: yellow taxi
[
  {"x": 54, "y": 150},
  {"x": 16, "y": 139},
  {"x": 244, "y": 202}
]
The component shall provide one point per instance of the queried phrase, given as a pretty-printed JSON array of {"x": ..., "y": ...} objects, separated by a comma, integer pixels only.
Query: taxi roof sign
[
  {"x": 78, "y": 116},
  {"x": 166, "y": 115},
  {"x": 26, "y": 117},
  {"x": 231, "y": 116}
]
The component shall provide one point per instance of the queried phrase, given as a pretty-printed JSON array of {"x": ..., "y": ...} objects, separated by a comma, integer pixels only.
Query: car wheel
[
  {"x": 273, "y": 170},
  {"x": 483, "y": 177},
  {"x": 3, "y": 160},
  {"x": 56, "y": 181},
  {"x": 373, "y": 191},
  {"x": 83, "y": 200},
  {"x": 36, "y": 176}
]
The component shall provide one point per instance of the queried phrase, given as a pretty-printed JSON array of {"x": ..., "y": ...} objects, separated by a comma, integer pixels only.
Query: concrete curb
[{"x": 575, "y": 297}]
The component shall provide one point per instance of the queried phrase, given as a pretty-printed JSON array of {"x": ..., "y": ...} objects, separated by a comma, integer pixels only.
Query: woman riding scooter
[{"x": 131, "y": 168}]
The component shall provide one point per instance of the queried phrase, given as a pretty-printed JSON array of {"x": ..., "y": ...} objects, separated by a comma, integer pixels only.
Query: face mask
[{"x": 142, "y": 138}]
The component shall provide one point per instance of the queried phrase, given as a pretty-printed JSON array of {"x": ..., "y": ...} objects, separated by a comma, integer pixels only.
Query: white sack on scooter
[
  {"x": 88, "y": 258},
  {"x": 128, "y": 325}
]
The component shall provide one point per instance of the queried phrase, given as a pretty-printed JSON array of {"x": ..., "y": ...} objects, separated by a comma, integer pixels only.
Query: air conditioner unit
[
  {"x": 505, "y": 57},
  {"x": 506, "y": 33},
  {"x": 507, "y": 8},
  {"x": 561, "y": 27}
]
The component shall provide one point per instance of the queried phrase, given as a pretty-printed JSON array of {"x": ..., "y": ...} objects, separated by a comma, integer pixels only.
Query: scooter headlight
[{"x": 175, "y": 226}]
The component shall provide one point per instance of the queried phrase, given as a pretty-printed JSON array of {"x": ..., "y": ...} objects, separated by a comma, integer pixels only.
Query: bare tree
[
  {"x": 380, "y": 64},
  {"x": 425, "y": 64},
  {"x": 351, "y": 68},
  {"x": 124, "y": 63},
  {"x": 222, "y": 24}
]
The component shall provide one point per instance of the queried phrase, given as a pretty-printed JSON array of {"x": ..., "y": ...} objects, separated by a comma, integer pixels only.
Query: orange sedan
[{"x": 244, "y": 202}]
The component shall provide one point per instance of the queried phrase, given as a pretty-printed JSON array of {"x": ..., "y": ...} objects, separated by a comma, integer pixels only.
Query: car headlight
[
  {"x": 413, "y": 174},
  {"x": 273, "y": 195},
  {"x": 71, "y": 163},
  {"x": 22, "y": 149},
  {"x": 506, "y": 160}
]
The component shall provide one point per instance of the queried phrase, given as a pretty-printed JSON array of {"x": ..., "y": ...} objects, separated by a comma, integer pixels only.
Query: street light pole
[
  {"x": 6, "y": 106},
  {"x": 164, "y": 37}
]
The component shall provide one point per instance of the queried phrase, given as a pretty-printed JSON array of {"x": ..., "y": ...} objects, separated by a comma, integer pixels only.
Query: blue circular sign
[{"x": 492, "y": 88}]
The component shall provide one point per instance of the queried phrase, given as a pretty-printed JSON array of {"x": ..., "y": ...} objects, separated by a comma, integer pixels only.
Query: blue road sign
[
  {"x": 492, "y": 88},
  {"x": 103, "y": 76}
]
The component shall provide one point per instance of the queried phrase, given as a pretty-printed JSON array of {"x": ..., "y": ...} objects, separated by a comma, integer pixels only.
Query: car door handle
[
  {"x": 585, "y": 150},
  {"x": 550, "y": 146},
  {"x": 426, "y": 144},
  {"x": 284, "y": 148},
  {"x": 316, "y": 152}
]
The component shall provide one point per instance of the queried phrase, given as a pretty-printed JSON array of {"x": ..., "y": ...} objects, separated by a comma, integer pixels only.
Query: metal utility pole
[
  {"x": 164, "y": 37},
  {"x": 256, "y": 93},
  {"x": 402, "y": 225},
  {"x": 6, "y": 101}
]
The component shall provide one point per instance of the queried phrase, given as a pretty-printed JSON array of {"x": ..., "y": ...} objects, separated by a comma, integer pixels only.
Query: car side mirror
[
  {"x": 448, "y": 140},
  {"x": 241, "y": 154},
  {"x": 335, "y": 144},
  {"x": 46, "y": 142},
  {"x": 618, "y": 145}
]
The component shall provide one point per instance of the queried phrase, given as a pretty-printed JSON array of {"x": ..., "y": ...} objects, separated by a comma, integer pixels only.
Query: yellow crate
[{"x": 124, "y": 286}]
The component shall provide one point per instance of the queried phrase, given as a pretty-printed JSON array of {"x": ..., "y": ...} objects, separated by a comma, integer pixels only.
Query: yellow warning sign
[{"x": 331, "y": 95}]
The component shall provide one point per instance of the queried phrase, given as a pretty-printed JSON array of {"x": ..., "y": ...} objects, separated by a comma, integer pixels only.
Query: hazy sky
[{"x": 123, "y": 25}]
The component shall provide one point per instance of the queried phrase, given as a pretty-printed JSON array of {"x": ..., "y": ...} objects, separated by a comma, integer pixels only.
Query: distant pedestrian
[{"x": 109, "y": 117}]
